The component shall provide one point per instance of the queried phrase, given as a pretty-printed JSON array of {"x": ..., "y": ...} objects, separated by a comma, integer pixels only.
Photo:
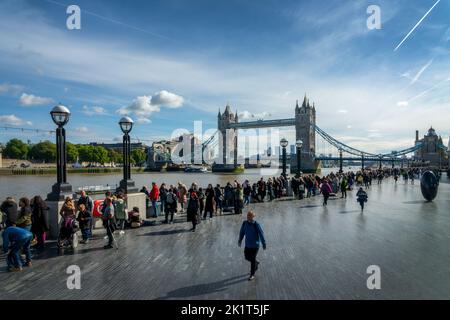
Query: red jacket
[{"x": 154, "y": 194}]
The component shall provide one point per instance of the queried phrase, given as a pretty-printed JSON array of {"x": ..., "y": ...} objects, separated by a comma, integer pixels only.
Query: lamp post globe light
[
  {"x": 284, "y": 144},
  {"x": 126, "y": 184},
  {"x": 60, "y": 115},
  {"x": 299, "y": 145}
]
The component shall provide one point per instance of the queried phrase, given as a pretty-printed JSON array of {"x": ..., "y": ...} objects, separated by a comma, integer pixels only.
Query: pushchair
[{"x": 68, "y": 237}]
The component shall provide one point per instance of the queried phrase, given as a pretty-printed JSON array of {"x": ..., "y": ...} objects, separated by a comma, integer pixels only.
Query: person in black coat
[
  {"x": 192, "y": 209},
  {"x": 210, "y": 202},
  {"x": 39, "y": 218}
]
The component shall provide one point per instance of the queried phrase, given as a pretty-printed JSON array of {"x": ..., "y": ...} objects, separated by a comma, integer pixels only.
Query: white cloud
[
  {"x": 6, "y": 88},
  {"x": 248, "y": 115},
  {"x": 82, "y": 129},
  {"x": 13, "y": 120},
  {"x": 342, "y": 111},
  {"x": 402, "y": 103},
  {"x": 32, "y": 100},
  {"x": 142, "y": 120},
  {"x": 90, "y": 111},
  {"x": 167, "y": 99},
  {"x": 245, "y": 115},
  {"x": 144, "y": 106}
]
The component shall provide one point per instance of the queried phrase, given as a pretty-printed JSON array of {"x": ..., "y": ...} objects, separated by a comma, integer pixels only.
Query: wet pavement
[{"x": 313, "y": 252}]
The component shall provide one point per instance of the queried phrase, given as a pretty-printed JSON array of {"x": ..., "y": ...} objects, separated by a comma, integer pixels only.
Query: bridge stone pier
[{"x": 304, "y": 123}]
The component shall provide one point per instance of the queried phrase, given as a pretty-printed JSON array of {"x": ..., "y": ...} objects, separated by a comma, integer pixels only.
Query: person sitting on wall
[{"x": 134, "y": 218}]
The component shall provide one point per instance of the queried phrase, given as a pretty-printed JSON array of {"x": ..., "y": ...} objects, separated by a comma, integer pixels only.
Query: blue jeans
[
  {"x": 246, "y": 199},
  {"x": 86, "y": 233},
  {"x": 219, "y": 204},
  {"x": 16, "y": 247},
  {"x": 154, "y": 206},
  {"x": 163, "y": 206}
]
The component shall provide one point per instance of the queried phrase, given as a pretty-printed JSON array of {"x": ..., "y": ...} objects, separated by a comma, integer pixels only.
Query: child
[
  {"x": 362, "y": 197},
  {"x": 85, "y": 220}
]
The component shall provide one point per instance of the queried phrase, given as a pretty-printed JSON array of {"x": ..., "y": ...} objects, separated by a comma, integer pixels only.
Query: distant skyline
[{"x": 170, "y": 63}]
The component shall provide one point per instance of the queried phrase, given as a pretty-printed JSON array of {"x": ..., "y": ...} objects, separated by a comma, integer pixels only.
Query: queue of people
[{"x": 26, "y": 222}]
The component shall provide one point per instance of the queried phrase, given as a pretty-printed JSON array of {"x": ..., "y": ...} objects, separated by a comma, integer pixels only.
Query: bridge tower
[
  {"x": 305, "y": 121},
  {"x": 228, "y": 141}
]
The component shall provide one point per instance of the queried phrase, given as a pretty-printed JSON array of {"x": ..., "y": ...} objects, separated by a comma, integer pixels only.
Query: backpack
[{"x": 170, "y": 198}]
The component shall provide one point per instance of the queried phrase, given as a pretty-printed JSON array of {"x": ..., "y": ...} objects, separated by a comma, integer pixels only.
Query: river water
[{"x": 28, "y": 186}]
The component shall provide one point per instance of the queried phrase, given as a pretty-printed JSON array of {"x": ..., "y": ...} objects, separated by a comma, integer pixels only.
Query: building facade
[
  {"x": 305, "y": 122},
  {"x": 432, "y": 150}
]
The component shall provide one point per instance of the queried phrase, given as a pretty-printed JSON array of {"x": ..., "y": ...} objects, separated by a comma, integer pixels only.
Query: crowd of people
[{"x": 26, "y": 223}]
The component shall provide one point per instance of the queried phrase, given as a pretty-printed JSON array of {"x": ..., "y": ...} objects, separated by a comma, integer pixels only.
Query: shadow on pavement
[
  {"x": 311, "y": 206},
  {"x": 203, "y": 289},
  {"x": 414, "y": 202},
  {"x": 349, "y": 211},
  {"x": 164, "y": 232}
]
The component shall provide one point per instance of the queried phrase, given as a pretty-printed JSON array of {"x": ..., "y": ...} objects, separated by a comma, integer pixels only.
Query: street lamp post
[
  {"x": 340, "y": 161},
  {"x": 299, "y": 145},
  {"x": 381, "y": 159},
  {"x": 60, "y": 116},
  {"x": 126, "y": 185},
  {"x": 284, "y": 143}
]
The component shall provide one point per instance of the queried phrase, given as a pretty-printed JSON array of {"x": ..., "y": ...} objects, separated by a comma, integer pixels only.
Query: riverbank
[{"x": 52, "y": 171}]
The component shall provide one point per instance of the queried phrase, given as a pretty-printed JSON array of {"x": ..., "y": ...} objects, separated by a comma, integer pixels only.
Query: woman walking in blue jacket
[{"x": 254, "y": 236}]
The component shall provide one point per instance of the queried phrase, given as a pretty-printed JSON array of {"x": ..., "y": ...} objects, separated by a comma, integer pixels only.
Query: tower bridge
[{"x": 304, "y": 122}]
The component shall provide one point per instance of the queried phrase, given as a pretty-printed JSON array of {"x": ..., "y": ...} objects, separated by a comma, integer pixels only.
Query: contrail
[
  {"x": 417, "y": 24},
  {"x": 113, "y": 21},
  {"x": 425, "y": 67},
  {"x": 428, "y": 90}
]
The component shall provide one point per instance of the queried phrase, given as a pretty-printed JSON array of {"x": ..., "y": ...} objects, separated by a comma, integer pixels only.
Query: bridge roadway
[{"x": 313, "y": 253}]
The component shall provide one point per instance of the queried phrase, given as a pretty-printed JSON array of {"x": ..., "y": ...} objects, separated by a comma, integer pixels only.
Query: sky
[{"x": 170, "y": 63}]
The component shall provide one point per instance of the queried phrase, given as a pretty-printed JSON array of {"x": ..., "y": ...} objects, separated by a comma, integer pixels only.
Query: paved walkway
[{"x": 313, "y": 253}]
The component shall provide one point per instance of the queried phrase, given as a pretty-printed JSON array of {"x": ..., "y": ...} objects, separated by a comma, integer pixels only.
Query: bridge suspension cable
[
  {"x": 6, "y": 128},
  {"x": 345, "y": 148}
]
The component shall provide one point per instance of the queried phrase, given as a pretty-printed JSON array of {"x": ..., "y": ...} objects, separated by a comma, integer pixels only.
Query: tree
[
  {"x": 100, "y": 155},
  {"x": 72, "y": 152},
  {"x": 16, "y": 149},
  {"x": 85, "y": 153},
  {"x": 138, "y": 156},
  {"x": 43, "y": 151},
  {"x": 115, "y": 156}
]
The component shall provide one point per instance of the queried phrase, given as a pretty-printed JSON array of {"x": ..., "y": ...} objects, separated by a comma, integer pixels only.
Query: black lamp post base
[
  {"x": 127, "y": 186},
  {"x": 60, "y": 191}
]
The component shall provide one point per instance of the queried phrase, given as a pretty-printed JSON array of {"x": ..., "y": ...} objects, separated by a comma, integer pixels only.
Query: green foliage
[
  {"x": 72, "y": 152},
  {"x": 115, "y": 156},
  {"x": 16, "y": 149},
  {"x": 138, "y": 156},
  {"x": 43, "y": 151},
  {"x": 85, "y": 153},
  {"x": 46, "y": 151},
  {"x": 100, "y": 155},
  {"x": 91, "y": 154}
]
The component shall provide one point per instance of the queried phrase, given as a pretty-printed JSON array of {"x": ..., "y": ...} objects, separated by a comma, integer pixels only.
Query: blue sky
[{"x": 169, "y": 63}]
